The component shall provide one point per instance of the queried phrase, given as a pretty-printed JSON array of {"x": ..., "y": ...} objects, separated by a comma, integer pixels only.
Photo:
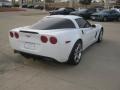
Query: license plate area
[
  {"x": 30, "y": 38},
  {"x": 29, "y": 45}
]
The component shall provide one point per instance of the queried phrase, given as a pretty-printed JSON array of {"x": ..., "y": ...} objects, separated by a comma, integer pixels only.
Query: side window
[
  {"x": 68, "y": 10},
  {"x": 82, "y": 23}
]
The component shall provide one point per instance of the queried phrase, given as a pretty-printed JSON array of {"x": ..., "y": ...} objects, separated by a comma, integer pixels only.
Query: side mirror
[{"x": 94, "y": 26}]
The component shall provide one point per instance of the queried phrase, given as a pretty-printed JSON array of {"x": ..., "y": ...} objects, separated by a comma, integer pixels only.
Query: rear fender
[{"x": 68, "y": 39}]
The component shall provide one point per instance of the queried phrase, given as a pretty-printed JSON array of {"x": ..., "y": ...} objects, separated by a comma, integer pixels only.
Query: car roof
[{"x": 73, "y": 17}]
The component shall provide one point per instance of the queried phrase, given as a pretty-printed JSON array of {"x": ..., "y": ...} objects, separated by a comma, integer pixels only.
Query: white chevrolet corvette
[{"x": 59, "y": 37}]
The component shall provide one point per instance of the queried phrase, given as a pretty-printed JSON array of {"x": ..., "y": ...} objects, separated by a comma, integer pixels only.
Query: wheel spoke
[{"x": 77, "y": 54}]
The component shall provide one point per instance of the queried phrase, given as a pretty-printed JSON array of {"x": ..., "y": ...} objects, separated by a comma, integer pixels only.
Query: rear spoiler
[{"x": 29, "y": 32}]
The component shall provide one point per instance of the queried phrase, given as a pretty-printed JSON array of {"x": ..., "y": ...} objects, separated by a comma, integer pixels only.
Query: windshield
[{"x": 53, "y": 23}]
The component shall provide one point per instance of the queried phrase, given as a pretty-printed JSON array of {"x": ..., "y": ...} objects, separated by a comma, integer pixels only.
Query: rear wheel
[{"x": 75, "y": 56}]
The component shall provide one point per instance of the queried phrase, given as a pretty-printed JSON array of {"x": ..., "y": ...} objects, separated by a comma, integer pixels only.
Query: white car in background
[{"x": 60, "y": 37}]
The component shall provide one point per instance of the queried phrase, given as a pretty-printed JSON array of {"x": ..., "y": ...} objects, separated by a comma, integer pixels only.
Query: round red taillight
[
  {"x": 44, "y": 39},
  {"x": 53, "y": 40},
  {"x": 16, "y": 35},
  {"x": 11, "y": 34}
]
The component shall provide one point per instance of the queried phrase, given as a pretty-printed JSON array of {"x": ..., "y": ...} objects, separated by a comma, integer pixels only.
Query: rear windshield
[{"x": 53, "y": 23}]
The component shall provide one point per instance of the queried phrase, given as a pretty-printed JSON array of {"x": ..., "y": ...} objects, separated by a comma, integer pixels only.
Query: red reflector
[
  {"x": 11, "y": 34},
  {"x": 44, "y": 39},
  {"x": 53, "y": 40},
  {"x": 16, "y": 35}
]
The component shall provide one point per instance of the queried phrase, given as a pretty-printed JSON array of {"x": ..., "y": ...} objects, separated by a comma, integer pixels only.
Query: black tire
[
  {"x": 76, "y": 53},
  {"x": 100, "y": 37}
]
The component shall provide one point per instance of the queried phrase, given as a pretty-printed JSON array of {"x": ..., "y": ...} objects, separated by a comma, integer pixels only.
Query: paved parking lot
[{"x": 98, "y": 70}]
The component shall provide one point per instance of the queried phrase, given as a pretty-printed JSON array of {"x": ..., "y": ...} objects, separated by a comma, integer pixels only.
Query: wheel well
[
  {"x": 79, "y": 40},
  {"x": 102, "y": 29}
]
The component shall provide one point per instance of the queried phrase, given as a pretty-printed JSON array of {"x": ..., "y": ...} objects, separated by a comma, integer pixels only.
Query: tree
[{"x": 85, "y": 2}]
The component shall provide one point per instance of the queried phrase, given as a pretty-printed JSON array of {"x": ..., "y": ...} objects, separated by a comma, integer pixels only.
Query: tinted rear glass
[{"x": 53, "y": 23}]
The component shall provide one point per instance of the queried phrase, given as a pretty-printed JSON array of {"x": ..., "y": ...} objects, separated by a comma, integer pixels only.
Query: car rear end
[
  {"x": 39, "y": 43},
  {"x": 49, "y": 37}
]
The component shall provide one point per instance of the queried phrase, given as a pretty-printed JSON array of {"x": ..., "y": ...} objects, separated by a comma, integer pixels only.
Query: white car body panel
[{"x": 31, "y": 44}]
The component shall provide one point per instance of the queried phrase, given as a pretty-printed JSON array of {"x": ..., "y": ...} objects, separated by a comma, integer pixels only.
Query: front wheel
[{"x": 75, "y": 56}]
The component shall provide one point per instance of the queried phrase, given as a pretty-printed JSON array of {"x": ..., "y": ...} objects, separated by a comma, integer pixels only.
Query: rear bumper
[{"x": 28, "y": 55}]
